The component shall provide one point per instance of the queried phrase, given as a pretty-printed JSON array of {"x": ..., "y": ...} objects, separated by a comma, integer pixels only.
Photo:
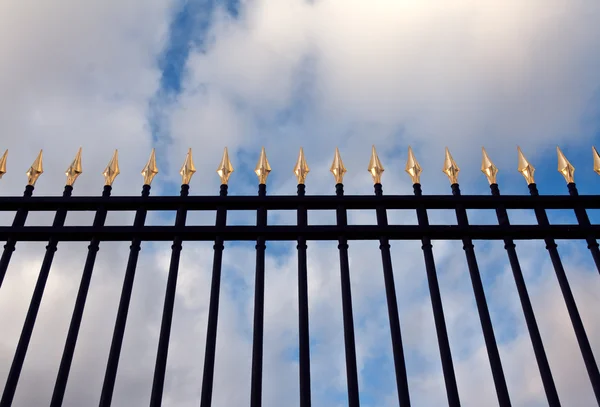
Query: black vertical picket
[
  {"x": 117, "y": 340},
  {"x": 86, "y": 277},
  {"x": 392, "y": 303},
  {"x": 167, "y": 316},
  {"x": 259, "y": 308},
  {"x": 584, "y": 220},
  {"x": 303, "y": 326},
  {"x": 213, "y": 309},
  {"x": 482, "y": 308},
  {"x": 534, "y": 332},
  {"x": 563, "y": 282},
  {"x": 347, "y": 313},
  {"x": 34, "y": 307},
  {"x": 9, "y": 247},
  {"x": 438, "y": 309}
]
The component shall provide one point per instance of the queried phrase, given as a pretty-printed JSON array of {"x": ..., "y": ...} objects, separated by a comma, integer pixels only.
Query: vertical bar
[
  {"x": 213, "y": 309},
  {"x": 534, "y": 332},
  {"x": 167, "y": 316},
  {"x": 69, "y": 349},
  {"x": 117, "y": 340},
  {"x": 9, "y": 247},
  {"x": 583, "y": 219},
  {"x": 563, "y": 282},
  {"x": 392, "y": 303},
  {"x": 34, "y": 306},
  {"x": 482, "y": 308},
  {"x": 438, "y": 309},
  {"x": 303, "y": 326},
  {"x": 349, "y": 342},
  {"x": 259, "y": 305}
]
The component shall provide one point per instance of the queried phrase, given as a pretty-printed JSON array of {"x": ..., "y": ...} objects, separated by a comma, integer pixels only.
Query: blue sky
[
  {"x": 377, "y": 373},
  {"x": 174, "y": 74}
]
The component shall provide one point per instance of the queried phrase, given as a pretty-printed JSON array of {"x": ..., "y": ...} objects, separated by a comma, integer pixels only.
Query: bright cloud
[{"x": 285, "y": 74}]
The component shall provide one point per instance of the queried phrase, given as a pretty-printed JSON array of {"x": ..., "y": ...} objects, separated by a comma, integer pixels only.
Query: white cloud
[{"x": 345, "y": 73}]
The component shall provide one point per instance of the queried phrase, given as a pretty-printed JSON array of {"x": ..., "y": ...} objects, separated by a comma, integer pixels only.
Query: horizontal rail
[
  {"x": 291, "y": 232},
  {"x": 291, "y": 202}
]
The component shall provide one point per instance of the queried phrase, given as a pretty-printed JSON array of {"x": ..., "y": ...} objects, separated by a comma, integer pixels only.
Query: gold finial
[
  {"x": 263, "y": 168},
  {"x": 596, "y": 160},
  {"x": 188, "y": 169},
  {"x": 413, "y": 168},
  {"x": 225, "y": 168},
  {"x": 36, "y": 169},
  {"x": 150, "y": 170},
  {"x": 450, "y": 168},
  {"x": 337, "y": 167},
  {"x": 525, "y": 168},
  {"x": 301, "y": 169},
  {"x": 375, "y": 167},
  {"x": 565, "y": 167},
  {"x": 74, "y": 169},
  {"x": 3, "y": 164},
  {"x": 488, "y": 167},
  {"x": 112, "y": 169}
]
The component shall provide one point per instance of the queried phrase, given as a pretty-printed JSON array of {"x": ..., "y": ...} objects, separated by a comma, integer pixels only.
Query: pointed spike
[
  {"x": 525, "y": 168},
  {"x": 565, "y": 167},
  {"x": 3, "y": 163},
  {"x": 225, "y": 168},
  {"x": 596, "y": 160},
  {"x": 412, "y": 167},
  {"x": 488, "y": 167},
  {"x": 301, "y": 169},
  {"x": 150, "y": 170},
  {"x": 36, "y": 169},
  {"x": 450, "y": 168},
  {"x": 337, "y": 167},
  {"x": 375, "y": 167},
  {"x": 74, "y": 169},
  {"x": 112, "y": 169},
  {"x": 263, "y": 168},
  {"x": 188, "y": 169}
]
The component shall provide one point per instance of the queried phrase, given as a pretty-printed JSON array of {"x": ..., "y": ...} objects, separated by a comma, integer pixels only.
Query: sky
[{"x": 134, "y": 75}]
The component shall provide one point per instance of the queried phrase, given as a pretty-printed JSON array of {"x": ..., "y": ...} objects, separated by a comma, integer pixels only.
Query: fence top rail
[{"x": 292, "y": 202}]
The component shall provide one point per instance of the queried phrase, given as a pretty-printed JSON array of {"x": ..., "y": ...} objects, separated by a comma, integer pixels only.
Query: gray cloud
[{"x": 291, "y": 73}]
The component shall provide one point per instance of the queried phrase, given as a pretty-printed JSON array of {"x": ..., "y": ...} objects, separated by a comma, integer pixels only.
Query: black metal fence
[{"x": 302, "y": 232}]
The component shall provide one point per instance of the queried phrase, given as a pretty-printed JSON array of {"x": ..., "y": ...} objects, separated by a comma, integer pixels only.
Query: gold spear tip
[
  {"x": 450, "y": 168},
  {"x": 412, "y": 167},
  {"x": 74, "y": 169},
  {"x": 3, "y": 164},
  {"x": 112, "y": 169},
  {"x": 301, "y": 169},
  {"x": 225, "y": 168},
  {"x": 488, "y": 167},
  {"x": 36, "y": 169},
  {"x": 150, "y": 170},
  {"x": 596, "y": 160},
  {"x": 565, "y": 167},
  {"x": 337, "y": 167},
  {"x": 525, "y": 168},
  {"x": 375, "y": 167},
  {"x": 188, "y": 169},
  {"x": 263, "y": 168}
]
